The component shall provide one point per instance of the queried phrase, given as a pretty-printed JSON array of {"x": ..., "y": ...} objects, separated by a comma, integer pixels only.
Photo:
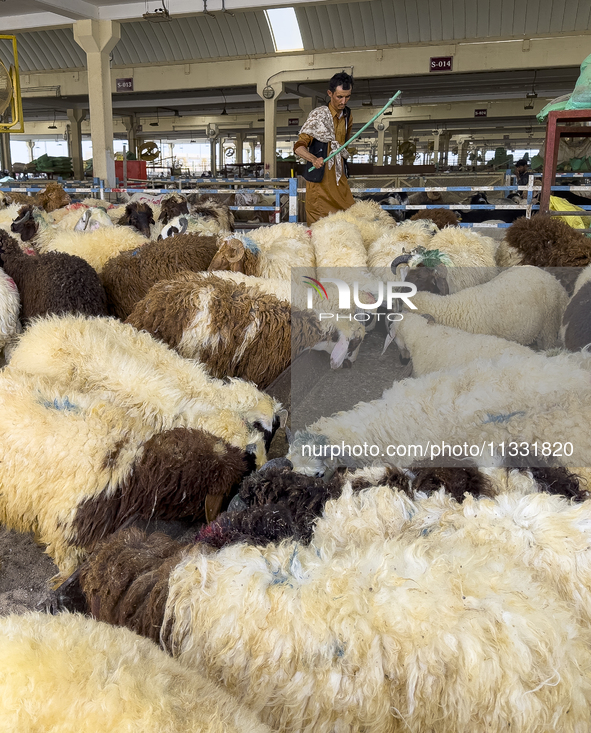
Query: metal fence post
[{"x": 293, "y": 199}]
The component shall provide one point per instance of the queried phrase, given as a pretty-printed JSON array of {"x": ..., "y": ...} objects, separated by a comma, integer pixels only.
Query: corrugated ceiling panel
[{"x": 323, "y": 26}]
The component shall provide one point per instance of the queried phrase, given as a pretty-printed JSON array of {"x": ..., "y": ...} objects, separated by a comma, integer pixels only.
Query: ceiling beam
[{"x": 73, "y": 9}]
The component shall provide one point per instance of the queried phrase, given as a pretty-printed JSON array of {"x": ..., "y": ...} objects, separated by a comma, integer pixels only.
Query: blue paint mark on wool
[
  {"x": 502, "y": 418},
  {"x": 135, "y": 252},
  {"x": 61, "y": 405},
  {"x": 250, "y": 244}
]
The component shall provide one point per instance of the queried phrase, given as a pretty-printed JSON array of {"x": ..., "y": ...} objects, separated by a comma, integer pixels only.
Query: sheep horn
[
  {"x": 399, "y": 261},
  {"x": 184, "y": 222},
  {"x": 25, "y": 217},
  {"x": 387, "y": 342}
]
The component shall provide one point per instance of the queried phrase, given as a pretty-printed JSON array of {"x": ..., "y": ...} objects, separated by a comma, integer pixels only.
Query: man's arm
[{"x": 301, "y": 150}]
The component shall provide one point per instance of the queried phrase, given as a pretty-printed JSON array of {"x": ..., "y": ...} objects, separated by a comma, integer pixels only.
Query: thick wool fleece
[
  {"x": 402, "y": 238},
  {"x": 71, "y": 674},
  {"x": 281, "y": 247},
  {"x": 545, "y": 241},
  {"x": 371, "y": 221},
  {"x": 508, "y": 398},
  {"x": 338, "y": 243},
  {"x": 76, "y": 467},
  {"x": 390, "y": 621},
  {"x": 54, "y": 282},
  {"x": 522, "y": 304},
  {"x": 113, "y": 360},
  {"x": 128, "y": 276},
  {"x": 96, "y": 247},
  {"x": 440, "y": 217},
  {"x": 10, "y": 306},
  {"x": 225, "y": 325}
]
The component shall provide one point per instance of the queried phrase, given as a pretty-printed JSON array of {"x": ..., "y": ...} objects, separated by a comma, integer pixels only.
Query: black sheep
[
  {"x": 54, "y": 282},
  {"x": 139, "y": 216}
]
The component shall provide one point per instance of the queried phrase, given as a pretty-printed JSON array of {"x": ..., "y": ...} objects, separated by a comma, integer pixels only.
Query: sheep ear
[
  {"x": 288, "y": 435},
  {"x": 282, "y": 415}
]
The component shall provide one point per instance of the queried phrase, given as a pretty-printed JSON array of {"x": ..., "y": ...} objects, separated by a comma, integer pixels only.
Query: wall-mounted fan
[{"x": 11, "y": 106}]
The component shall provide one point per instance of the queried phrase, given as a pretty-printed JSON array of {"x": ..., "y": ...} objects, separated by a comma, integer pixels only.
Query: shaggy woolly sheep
[
  {"x": 209, "y": 210},
  {"x": 508, "y": 398},
  {"x": 522, "y": 304},
  {"x": 342, "y": 339},
  {"x": 75, "y": 466},
  {"x": 440, "y": 217},
  {"x": 139, "y": 216},
  {"x": 545, "y": 241},
  {"x": 469, "y": 257},
  {"x": 10, "y": 306},
  {"x": 53, "y": 197},
  {"x": 338, "y": 243},
  {"x": 75, "y": 675},
  {"x": 233, "y": 329},
  {"x": 369, "y": 218},
  {"x": 405, "y": 237},
  {"x": 129, "y": 368},
  {"x": 128, "y": 277},
  {"x": 173, "y": 206},
  {"x": 267, "y": 252},
  {"x": 54, "y": 282},
  {"x": 96, "y": 247},
  {"x": 359, "y": 625}
]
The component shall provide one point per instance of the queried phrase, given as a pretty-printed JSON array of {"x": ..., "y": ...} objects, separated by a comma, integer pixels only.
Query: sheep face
[
  {"x": 25, "y": 224},
  {"x": 139, "y": 216},
  {"x": 429, "y": 279},
  {"x": 230, "y": 256},
  {"x": 5, "y": 200},
  {"x": 172, "y": 207}
]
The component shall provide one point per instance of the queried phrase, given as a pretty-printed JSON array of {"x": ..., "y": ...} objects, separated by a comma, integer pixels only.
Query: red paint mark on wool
[{"x": 11, "y": 283}]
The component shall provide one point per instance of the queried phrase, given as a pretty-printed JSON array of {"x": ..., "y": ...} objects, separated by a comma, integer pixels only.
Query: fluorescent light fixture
[{"x": 285, "y": 30}]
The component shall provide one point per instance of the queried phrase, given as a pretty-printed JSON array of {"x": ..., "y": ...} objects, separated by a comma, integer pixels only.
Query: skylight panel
[{"x": 285, "y": 30}]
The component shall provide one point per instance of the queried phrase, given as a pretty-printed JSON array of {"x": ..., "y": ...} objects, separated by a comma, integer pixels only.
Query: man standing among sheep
[{"x": 327, "y": 188}]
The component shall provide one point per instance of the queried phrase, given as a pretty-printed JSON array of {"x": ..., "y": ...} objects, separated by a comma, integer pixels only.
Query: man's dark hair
[
  {"x": 520, "y": 163},
  {"x": 343, "y": 80}
]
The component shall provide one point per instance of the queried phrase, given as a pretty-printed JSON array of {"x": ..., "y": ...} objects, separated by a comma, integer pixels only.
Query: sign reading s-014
[{"x": 441, "y": 63}]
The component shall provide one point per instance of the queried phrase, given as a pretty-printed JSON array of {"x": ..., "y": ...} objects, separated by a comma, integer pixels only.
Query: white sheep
[
  {"x": 74, "y": 466},
  {"x": 71, "y": 674},
  {"x": 371, "y": 221},
  {"x": 401, "y": 615},
  {"x": 483, "y": 402},
  {"x": 405, "y": 237},
  {"x": 106, "y": 357},
  {"x": 10, "y": 306},
  {"x": 338, "y": 243},
  {"x": 522, "y": 304}
]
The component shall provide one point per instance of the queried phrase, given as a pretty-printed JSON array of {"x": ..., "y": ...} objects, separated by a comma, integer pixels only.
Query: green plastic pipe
[{"x": 367, "y": 124}]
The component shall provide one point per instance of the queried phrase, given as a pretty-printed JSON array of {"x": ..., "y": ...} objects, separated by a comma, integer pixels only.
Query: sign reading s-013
[
  {"x": 124, "y": 85},
  {"x": 441, "y": 63}
]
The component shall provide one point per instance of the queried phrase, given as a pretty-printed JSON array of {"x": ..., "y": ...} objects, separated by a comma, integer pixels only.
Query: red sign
[
  {"x": 293, "y": 121},
  {"x": 480, "y": 112},
  {"x": 124, "y": 85},
  {"x": 441, "y": 63}
]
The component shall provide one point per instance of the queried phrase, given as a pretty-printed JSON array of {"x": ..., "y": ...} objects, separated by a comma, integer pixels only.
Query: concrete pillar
[
  {"x": 240, "y": 147},
  {"x": 98, "y": 38},
  {"x": 270, "y": 156},
  {"x": 75, "y": 141},
  {"x": 253, "y": 147},
  {"x": 5, "y": 151},
  {"x": 31, "y": 146},
  {"x": 130, "y": 123},
  {"x": 307, "y": 104},
  {"x": 436, "y": 137}
]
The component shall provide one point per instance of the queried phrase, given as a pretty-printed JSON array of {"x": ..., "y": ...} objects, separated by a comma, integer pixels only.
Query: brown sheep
[
  {"x": 234, "y": 256},
  {"x": 54, "y": 282},
  {"x": 53, "y": 197},
  {"x": 545, "y": 241},
  {"x": 173, "y": 206},
  {"x": 441, "y": 217},
  {"x": 129, "y": 276},
  {"x": 139, "y": 216},
  {"x": 240, "y": 331}
]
